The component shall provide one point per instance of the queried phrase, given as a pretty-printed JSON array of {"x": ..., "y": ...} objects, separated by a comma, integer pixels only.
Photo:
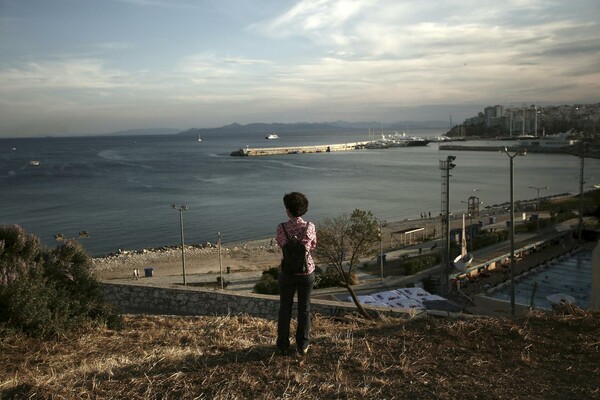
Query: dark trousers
[{"x": 288, "y": 285}]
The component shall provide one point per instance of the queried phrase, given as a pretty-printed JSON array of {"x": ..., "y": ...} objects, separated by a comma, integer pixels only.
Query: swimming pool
[{"x": 569, "y": 274}]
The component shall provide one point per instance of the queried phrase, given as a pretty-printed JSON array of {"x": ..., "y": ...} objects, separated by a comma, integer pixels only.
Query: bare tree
[{"x": 343, "y": 241}]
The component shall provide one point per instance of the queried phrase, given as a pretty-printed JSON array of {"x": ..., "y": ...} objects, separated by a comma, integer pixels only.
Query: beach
[
  {"x": 257, "y": 255},
  {"x": 251, "y": 256}
]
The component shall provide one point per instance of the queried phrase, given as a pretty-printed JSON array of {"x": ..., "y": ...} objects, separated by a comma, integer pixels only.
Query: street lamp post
[
  {"x": 381, "y": 225},
  {"x": 512, "y": 229},
  {"x": 220, "y": 261},
  {"x": 538, "y": 204},
  {"x": 181, "y": 209}
]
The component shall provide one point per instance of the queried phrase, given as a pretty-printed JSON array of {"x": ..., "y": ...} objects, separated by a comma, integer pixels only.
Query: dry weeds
[{"x": 541, "y": 356}]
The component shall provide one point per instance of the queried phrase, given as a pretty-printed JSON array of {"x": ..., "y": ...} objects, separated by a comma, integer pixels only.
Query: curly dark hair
[{"x": 296, "y": 203}]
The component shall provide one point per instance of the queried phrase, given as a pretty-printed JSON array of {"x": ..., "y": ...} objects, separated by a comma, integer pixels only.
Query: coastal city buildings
[{"x": 531, "y": 120}]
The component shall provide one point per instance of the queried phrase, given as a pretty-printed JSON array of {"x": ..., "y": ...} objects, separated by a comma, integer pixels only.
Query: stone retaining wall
[{"x": 128, "y": 298}]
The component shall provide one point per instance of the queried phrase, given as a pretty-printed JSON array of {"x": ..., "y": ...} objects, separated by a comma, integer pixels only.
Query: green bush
[
  {"x": 331, "y": 278},
  {"x": 47, "y": 292},
  {"x": 555, "y": 218},
  {"x": 489, "y": 239},
  {"x": 267, "y": 285},
  {"x": 416, "y": 264}
]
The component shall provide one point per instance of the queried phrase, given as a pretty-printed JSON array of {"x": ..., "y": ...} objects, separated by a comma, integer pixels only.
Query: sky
[{"x": 70, "y": 67}]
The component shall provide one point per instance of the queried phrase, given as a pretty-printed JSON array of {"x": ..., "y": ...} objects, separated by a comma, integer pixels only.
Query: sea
[{"x": 121, "y": 189}]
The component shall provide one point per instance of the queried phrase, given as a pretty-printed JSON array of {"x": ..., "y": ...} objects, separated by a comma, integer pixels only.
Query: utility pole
[
  {"x": 220, "y": 261},
  {"x": 181, "y": 209}
]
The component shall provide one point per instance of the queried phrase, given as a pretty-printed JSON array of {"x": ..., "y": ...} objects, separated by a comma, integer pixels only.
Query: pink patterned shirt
[{"x": 295, "y": 227}]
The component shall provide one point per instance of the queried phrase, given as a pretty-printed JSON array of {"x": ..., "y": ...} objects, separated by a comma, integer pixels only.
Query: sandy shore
[
  {"x": 199, "y": 259},
  {"x": 256, "y": 255}
]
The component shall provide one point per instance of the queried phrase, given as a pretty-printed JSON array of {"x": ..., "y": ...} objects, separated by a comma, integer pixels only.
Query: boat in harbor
[
  {"x": 464, "y": 259},
  {"x": 199, "y": 138},
  {"x": 34, "y": 163},
  {"x": 385, "y": 142},
  {"x": 408, "y": 141},
  {"x": 377, "y": 144},
  {"x": 272, "y": 136},
  {"x": 564, "y": 139},
  {"x": 440, "y": 139}
]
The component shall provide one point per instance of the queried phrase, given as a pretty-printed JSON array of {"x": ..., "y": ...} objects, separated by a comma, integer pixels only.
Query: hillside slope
[{"x": 541, "y": 356}]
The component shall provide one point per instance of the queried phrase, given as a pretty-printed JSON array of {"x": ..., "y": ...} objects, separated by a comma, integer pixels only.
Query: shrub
[
  {"x": 416, "y": 264},
  {"x": 331, "y": 278},
  {"x": 267, "y": 285},
  {"x": 488, "y": 239},
  {"x": 47, "y": 292}
]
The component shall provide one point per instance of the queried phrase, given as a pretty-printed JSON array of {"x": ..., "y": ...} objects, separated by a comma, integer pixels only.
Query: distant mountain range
[
  {"x": 311, "y": 127},
  {"x": 283, "y": 128},
  {"x": 140, "y": 132}
]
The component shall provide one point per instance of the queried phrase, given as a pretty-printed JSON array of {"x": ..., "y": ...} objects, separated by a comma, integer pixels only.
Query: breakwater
[{"x": 271, "y": 151}]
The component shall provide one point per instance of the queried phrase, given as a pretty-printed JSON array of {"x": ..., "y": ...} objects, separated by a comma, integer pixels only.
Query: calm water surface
[{"x": 120, "y": 189}]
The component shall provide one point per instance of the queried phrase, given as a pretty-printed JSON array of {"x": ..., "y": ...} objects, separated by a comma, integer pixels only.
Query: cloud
[
  {"x": 429, "y": 50},
  {"x": 315, "y": 58},
  {"x": 65, "y": 74},
  {"x": 159, "y": 3}
]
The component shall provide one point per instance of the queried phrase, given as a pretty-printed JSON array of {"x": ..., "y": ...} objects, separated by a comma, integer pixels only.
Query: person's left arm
[{"x": 311, "y": 234}]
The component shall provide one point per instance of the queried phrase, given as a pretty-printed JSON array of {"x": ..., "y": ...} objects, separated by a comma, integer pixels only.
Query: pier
[{"x": 272, "y": 151}]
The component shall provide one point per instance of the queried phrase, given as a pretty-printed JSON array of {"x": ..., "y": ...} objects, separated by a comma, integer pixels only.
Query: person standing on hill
[{"x": 292, "y": 280}]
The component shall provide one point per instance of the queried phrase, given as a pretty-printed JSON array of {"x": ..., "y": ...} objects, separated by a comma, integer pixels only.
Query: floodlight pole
[
  {"x": 181, "y": 209},
  {"x": 445, "y": 166},
  {"x": 512, "y": 230}
]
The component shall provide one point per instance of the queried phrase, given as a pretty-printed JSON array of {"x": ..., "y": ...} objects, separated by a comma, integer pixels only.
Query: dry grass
[{"x": 541, "y": 356}]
